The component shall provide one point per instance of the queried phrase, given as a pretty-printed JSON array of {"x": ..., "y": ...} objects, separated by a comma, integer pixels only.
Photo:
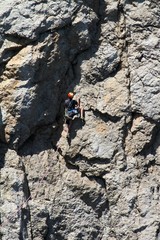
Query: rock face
[{"x": 103, "y": 182}]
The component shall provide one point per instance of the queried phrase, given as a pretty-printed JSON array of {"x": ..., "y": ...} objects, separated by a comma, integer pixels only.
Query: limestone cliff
[{"x": 103, "y": 182}]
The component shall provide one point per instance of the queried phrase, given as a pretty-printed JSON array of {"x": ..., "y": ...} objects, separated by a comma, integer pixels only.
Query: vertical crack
[
  {"x": 123, "y": 43},
  {"x": 25, "y": 222},
  {"x": 158, "y": 232}
]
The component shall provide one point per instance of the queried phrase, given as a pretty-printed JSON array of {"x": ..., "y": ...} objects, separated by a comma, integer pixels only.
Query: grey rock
[
  {"x": 143, "y": 63},
  {"x": 103, "y": 180},
  {"x": 25, "y": 75}
]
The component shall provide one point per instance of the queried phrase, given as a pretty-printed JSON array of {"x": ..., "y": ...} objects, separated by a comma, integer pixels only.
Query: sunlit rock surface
[{"x": 103, "y": 181}]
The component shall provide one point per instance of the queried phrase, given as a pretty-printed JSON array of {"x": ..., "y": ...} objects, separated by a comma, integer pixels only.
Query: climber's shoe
[{"x": 83, "y": 119}]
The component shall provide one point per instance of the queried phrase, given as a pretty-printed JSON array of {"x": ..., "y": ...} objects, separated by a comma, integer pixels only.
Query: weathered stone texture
[{"x": 103, "y": 181}]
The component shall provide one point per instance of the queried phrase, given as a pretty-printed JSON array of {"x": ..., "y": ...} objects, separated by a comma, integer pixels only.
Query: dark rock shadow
[
  {"x": 42, "y": 139},
  {"x": 51, "y": 96},
  {"x": 95, "y": 203},
  {"x": 3, "y": 146},
  {"x": 152, "y": 146},
  {"x": 91, "y": 161},
  {"x": 2, "y": 127},
  {"x": 106, "y": 117},
  {"x": 133, "y": 1},
  {"x": 3, "y": 150},
  {"x": 76, "y": 124}
]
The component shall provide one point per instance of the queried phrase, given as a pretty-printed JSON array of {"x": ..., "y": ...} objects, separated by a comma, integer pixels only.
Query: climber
[{"x": 72, "y": 108}]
